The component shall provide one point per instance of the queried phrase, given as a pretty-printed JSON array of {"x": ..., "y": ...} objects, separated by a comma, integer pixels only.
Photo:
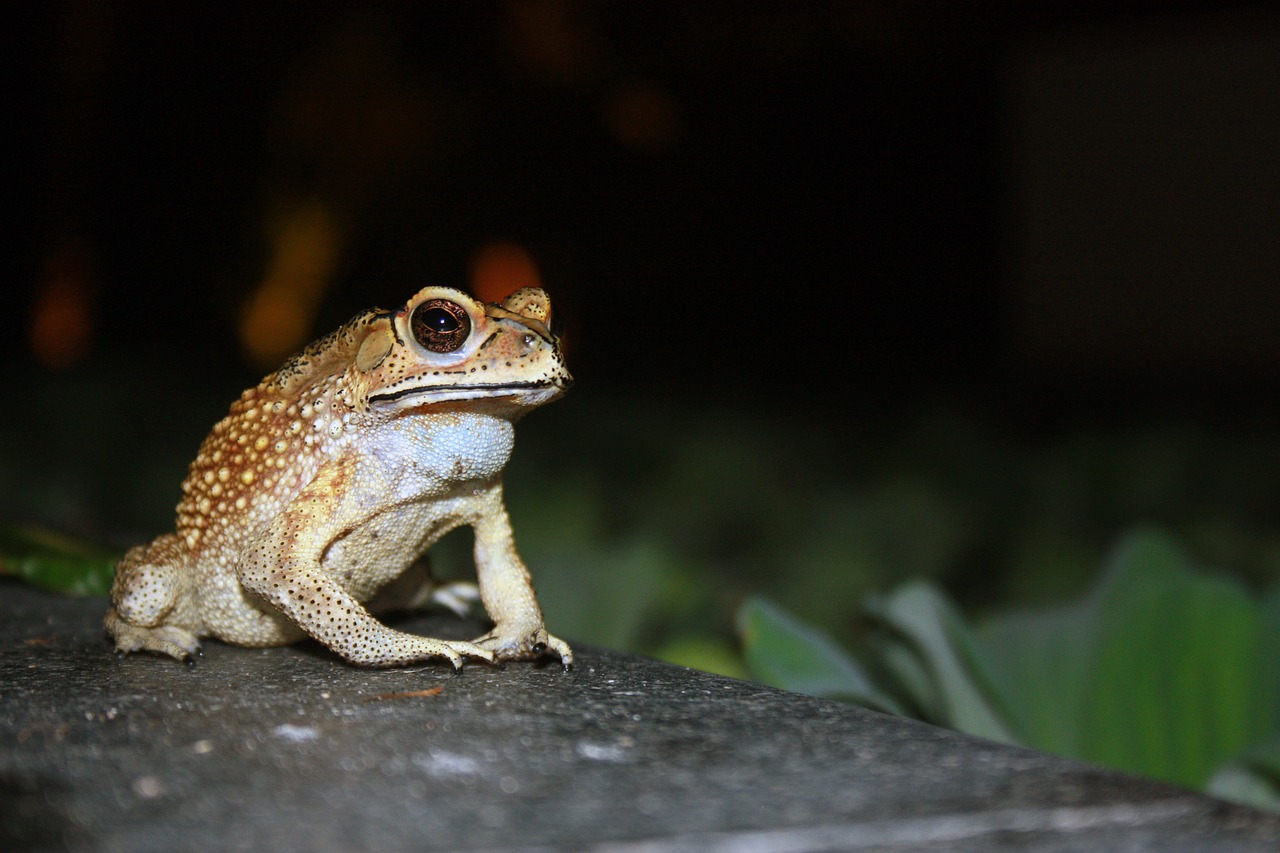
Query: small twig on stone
[{"x": 409, "y": 694}]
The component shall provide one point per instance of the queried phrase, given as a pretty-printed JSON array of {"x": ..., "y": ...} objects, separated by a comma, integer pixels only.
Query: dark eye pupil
[
  {"x": 439, "y": 321},
  {"x": 440, "y": 325}
]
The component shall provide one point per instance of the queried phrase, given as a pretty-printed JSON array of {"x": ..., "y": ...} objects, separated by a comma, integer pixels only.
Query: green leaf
[
  {"x": 1042, "y": 660},
  {"x": 1266, "y": 676},
  {"x": 785, "y": 652},
  {"x": 1161, "y": 670},
  {"x": 56, "y": 562},
  {"x": 1175, "y": 655},
  {"x": 936, "y": 656}
]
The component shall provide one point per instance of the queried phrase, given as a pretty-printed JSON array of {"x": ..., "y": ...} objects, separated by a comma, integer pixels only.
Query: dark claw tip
[{"x": 189, "y": 661}]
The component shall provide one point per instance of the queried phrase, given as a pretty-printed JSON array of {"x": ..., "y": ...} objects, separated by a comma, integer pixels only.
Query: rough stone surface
[{"x": 291, "y": 749}]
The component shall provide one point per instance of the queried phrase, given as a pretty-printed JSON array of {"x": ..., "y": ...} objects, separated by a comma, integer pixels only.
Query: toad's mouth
[{"x": 539, "y": 391}]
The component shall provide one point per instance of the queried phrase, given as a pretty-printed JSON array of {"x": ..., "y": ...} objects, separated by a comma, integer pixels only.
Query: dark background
[
  {"x": 821, "y": 196},
  {"x": 819, "y": 202},
  {"x": 1046, "y": 211}
]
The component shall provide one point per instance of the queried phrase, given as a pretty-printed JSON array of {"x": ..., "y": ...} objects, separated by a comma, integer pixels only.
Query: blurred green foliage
[
  {"x": 682, "y": 514},
  {"x": 55, "y": 561},
  {"x": 1161, "y": 669}
]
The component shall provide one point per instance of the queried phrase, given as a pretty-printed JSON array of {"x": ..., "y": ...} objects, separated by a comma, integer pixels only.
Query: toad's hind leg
[
  {"x": 146, "y": 612},
  {"x": 283, "y": 566},
  {"x": 326, "y": 611}
]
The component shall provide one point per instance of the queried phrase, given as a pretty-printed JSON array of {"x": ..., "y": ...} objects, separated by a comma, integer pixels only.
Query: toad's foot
[
  {"x": 415, "y": 589},
  {"x": 162, "y": 639},
  {"x": 414, "y": 649},
  {"x": 525, "y": 645},
  {"x": 458, "y": 596}
]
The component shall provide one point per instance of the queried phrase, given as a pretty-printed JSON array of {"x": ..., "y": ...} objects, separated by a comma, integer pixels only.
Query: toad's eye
[{"x": 440, "y": 325}]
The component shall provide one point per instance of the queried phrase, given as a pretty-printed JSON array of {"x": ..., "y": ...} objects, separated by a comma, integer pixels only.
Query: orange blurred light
[
  {"x": 305, "y": 249},
  {"x": 61, "y": 329},
  {"x": 499, "y": 269}
]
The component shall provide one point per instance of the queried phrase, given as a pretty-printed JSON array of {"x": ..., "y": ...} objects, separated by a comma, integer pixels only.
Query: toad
[{"x": 333, "y": 476}]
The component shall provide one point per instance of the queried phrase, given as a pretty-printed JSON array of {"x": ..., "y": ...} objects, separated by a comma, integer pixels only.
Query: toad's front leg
[
  {"x": 507, "y": 591},
  {"x": 283, "y": 566}
]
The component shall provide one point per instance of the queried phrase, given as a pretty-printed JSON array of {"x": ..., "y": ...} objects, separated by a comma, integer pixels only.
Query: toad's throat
[{"x": 447, "y": 393}]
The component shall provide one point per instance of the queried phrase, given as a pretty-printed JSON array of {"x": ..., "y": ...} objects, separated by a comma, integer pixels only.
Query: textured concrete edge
[
  {"x": 915, "y": 832},
  {"x": 698, "y": 744}
]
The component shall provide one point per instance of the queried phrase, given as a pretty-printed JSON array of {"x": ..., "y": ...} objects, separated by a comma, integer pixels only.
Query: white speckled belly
[{"x": 441, "y": 455}]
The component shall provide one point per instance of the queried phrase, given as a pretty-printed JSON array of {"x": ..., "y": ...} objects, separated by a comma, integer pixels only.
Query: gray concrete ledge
[{"x": 290, "y": 749}]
